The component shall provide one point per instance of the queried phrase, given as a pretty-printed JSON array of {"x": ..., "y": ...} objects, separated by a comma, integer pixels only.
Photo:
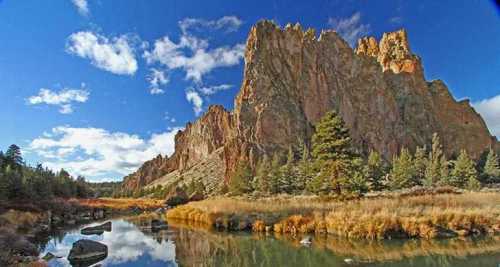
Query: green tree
[
  {"x": 403, "y": 171},
  {"x": 331, "y": 141},
  {"x": 305, "y": 171},
  {"x": 435, "y": 168},
  {"x": 240, "y": 182},
  {"x": 262, "y": 181},
  {"x": 374, "y": 171},
  {"x": 333, "y": 156},
  {"x": 287, "y": 175},
  {"x": 491, "y": 172},
  {"x": 420, "y": 163},
  {"x": 13, "y": 155},
  {"x": 274, "y": 173},
  {"x": 464, "y": 173}
]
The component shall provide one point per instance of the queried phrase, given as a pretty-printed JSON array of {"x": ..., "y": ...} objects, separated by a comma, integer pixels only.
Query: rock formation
[{"x": 292, "y": 77}]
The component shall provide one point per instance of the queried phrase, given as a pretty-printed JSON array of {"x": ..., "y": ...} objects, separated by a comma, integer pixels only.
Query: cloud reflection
[{"x": 126, "y": 243}]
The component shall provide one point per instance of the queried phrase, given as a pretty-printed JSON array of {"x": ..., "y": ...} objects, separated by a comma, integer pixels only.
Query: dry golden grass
[
  {"x": 122, "y": 203},
  {"x": 23, "y": 219},
  {"x": 426, "y": 216}
]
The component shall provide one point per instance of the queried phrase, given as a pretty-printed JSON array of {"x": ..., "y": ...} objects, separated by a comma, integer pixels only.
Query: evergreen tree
[
  {"x": 403, "y": 171},
  {"x": 13, "y": 155},
  {"x": 2, "y": 160},
  {"x": 275, "y": 174},
  {"x": 420, "y": 162},
  {"x": 333, "y": 156},
  {"x": 262, "y": 179},
  {"x": 374, "y": 171},
  {"x": 464, "y": 173},
  {"x": 305, "y": 171},
  {"x": 331, "y": 141},
  {"x": 4, "y": 186},
  {"x": 240, "y": 182},
  {"x": 491, "y": 172},
  {"x": 435, "y": 168},
  {"x": 287, "y": 176}
]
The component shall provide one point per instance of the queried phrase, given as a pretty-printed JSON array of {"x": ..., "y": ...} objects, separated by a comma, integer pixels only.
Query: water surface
[{"x": 131, "y": 244}]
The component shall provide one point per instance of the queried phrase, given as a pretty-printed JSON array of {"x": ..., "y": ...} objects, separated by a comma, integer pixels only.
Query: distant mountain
[{"x": 293, "y": 77}]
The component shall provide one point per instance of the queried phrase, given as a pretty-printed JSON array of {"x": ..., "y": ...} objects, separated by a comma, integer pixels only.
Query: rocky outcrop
[
  {"x": 195, "y": 143},
  {"x": 293, "y": 77}
]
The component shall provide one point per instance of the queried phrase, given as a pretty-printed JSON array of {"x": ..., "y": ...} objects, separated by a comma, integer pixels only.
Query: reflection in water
[
  {"x": 195, "y": 247},
  {"x": 132, "y": 244},
  {"x": 126, "y": 244}
]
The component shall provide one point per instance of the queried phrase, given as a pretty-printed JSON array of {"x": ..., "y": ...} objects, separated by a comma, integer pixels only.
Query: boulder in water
[
  {"x": 306, "y": 240},
  {"x": 87, "y": 252},
  {"x": 157, "y": 225},
  {"x": 97, "y": 230}
]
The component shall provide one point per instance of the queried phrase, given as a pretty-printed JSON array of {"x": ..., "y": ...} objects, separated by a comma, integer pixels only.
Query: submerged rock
[
  {"x": 158, "y": 225},
  {"x": 87, "y": 252},
  {"x": 306, "y": 240},
  {"x": 97, "y": 230}
]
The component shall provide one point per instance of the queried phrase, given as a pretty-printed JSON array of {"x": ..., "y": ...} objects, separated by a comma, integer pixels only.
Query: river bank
[
  {"x": 422, "y": 215},
  {"x": 22, "y": 224}
]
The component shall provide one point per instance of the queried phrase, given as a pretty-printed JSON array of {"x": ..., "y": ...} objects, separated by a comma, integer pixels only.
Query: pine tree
[
  {"x": 420, "y": 162},
  {"x": 464, "y": 173},
  {"x": 491, "y": 171},
  {"x": 240, "y": 182},
  {"x": 262, "y": 179},
  {"x": 333, "y": 156},
  {"x": 403, "y": 171},
  {"x": 13, "y": 155},
  {"x": 444, "y": 171},
  {"x": 374, "y": 171},
  {"x": 331, "y": 141},
  {"x": 275, "y": 174},
  {"x": 287, "y": 176},
  {"x": 434, "y": 170},
  {"x": 305, "y": 171}
]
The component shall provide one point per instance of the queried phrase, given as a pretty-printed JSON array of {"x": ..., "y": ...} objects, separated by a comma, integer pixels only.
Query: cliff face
[{"x": 292, "y": 77}]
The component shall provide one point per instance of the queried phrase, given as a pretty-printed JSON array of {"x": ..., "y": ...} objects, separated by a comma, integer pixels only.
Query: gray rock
[
  {"x": 157, "y": 225},
  {"x": 97, "y": 230},
  {"x": 306, "y": 240},
  {"x": 86, "y": 252}
]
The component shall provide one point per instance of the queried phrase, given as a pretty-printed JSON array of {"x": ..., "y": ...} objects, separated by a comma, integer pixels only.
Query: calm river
[{"x": 131, "y": 244}]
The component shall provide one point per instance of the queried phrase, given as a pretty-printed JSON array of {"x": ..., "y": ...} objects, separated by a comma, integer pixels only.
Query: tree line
[
  {"x": 19, "y": 181},
  {"x": 331, "y": 166}
]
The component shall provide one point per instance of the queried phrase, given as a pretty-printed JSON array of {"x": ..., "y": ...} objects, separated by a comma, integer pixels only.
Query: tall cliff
[{"x": 292, "y": 77}]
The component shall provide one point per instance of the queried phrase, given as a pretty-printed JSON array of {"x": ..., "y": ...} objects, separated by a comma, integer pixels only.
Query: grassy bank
[
  {"x": 122, "y": 204},
  {"x": 423, "y": 216}
]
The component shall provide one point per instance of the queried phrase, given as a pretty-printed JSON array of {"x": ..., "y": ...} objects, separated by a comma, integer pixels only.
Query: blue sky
[{"x": 98, "y": 87}]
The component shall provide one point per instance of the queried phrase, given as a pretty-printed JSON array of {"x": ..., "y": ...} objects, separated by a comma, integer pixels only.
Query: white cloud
[
  {"x": 95, "y": 152},
  {"x": 490, "y": 111},
  {"x": 63, "y": 98},
  {"x": 229, "y": 23},
  {"x": 169, "y": 118},
  {"x": 82, "y": 7},
  {"x": 192, "y": 54},
  {"x": 396, "y": 20},
  {"x": 115, "y": 55},
  {"x": 156, "y": 91},
  {"x": 210, "y": 90},
  {"x": 351, "y": 28},
  {"x": 157, "y": 79},
  {"x": 194, "y": 98}
]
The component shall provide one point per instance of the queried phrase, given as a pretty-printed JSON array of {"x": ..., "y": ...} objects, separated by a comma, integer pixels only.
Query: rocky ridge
[{"x": 292, "y": 77}]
